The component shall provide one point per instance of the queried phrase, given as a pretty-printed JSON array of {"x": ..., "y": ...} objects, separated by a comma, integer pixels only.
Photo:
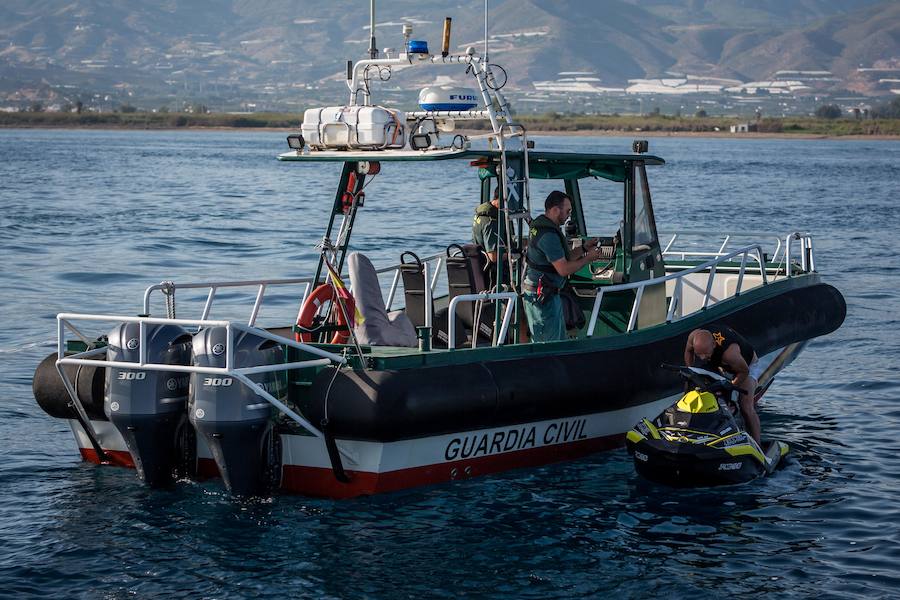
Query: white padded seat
[{"x": 378, "y": 327}]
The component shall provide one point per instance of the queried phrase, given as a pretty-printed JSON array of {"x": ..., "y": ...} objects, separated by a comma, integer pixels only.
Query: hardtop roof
[
  {"x": 534, "y": 156},
  {"x": 541, "y": 165}
]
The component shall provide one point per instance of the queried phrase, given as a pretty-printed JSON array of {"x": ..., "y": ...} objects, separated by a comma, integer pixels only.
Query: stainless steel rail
[
  {"x": 807, "y": 256},
  {"x": 263, "y": 285},
  {"x": 707, "y": 235},
  {"x": 640, "y": 286},
  {"x": 65, "y": 321},
  {"x": 510, "y": 297},
  {"x": 214, "y": 286}
]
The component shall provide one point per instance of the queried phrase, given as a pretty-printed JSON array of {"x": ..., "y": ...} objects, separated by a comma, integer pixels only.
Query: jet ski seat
[{"x": 378, "y": 328}]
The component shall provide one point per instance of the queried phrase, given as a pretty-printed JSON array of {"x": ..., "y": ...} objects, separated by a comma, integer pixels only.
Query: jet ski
[{"x": 701, "y": 440}]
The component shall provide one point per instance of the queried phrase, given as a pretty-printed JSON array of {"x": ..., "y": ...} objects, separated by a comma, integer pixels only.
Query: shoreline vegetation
[{"x": 568, "y": 124}]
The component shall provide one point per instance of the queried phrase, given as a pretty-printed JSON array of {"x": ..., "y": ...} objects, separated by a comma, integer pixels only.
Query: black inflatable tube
[
  {"x": 51, "y": 394},
  {"x": 387, "y": 406}
]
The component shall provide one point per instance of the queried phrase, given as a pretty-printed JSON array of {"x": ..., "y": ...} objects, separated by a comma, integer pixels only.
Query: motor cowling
[
  {"x": 149, "y": 407},
  {"x": 235, "y": 422}
]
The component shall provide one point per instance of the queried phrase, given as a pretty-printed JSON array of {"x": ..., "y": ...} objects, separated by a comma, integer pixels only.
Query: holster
[{"x": 545, "y": 291}]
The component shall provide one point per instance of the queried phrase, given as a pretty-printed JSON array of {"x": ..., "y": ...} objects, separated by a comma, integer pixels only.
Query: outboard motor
[
  {"x": 236, "y": 423},
  {"x": 149, "y": 407}
]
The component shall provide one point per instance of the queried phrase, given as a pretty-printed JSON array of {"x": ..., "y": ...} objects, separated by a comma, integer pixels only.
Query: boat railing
[
  {"x": 65, "y": 321},
  {"x": 807, "y": 256},
  {"x": 747, "y": 253},
  {"x": 437, "y": 260},
  {"x": 723, "y": 241},
  {"x": 510, "y": 297},
  {"x": 168, "y": 288},
  {"x": 795, "y": 243},
  {"x": 782, "y": 255}
]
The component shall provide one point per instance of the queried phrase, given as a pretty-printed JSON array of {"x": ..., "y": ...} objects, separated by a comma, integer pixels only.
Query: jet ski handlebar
[{"x": 703, "y": 379}]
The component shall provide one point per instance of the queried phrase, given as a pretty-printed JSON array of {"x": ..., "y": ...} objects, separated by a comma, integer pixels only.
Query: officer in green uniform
[
  {"x": 548, "y": 264},
  {"x": 488, "y": 227}
]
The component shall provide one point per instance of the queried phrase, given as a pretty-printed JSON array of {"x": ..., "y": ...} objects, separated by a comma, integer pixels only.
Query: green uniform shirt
[{"x": 487, "y": 227}]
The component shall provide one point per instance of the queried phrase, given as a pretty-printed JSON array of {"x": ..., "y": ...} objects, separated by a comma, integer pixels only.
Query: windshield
[{"x": 644, "y": 225}]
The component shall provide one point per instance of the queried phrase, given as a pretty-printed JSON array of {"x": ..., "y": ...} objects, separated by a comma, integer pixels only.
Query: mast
[
  {"x": 373, "y": 49},
  {"x": 485, "y": 31}
]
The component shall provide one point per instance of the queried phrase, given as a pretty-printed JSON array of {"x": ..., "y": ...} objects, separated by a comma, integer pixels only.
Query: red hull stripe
[
  {"x": 318, "y": 482},
  {"x": 119, "y": 458},
  {"x": 313, "y": 481}
]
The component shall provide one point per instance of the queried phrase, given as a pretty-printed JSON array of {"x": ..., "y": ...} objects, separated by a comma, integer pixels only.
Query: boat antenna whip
[{"x": 485, "y": 31}]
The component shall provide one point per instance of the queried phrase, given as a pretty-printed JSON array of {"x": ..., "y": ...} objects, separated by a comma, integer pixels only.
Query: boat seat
[
  {"x": 466, "y": 275},
  {"x": 412, "y": 272},
  {"x": 413, "y": 275},
  {"x": 378, "y": 328}
]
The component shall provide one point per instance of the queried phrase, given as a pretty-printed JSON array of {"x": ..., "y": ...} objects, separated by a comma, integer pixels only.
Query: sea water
[{"x": 88, "y": 219}]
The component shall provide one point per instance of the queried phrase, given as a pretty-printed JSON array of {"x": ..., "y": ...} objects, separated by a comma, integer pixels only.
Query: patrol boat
[{"x": 357, "y": 396}]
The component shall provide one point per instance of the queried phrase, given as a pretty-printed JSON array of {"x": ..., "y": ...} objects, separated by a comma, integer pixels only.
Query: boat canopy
[{"x": 541, "y": 165}]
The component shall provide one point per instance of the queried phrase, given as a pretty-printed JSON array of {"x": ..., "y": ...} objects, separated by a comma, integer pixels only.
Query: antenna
[
  {"x": 485, "y": 31},
  {"x": 445, "y": 45},
  {"x": 373, "y": 49}
]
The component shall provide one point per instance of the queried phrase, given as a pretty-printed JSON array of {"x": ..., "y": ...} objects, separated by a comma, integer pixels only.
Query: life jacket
[
  {"x": 725, "y": 336},
  {"x": 541, "y": 226}
]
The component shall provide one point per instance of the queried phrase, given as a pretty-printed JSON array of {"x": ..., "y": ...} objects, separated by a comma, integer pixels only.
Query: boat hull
[
  {"x": 377, "y": 467},
  {"x": 459, "y": 392}
]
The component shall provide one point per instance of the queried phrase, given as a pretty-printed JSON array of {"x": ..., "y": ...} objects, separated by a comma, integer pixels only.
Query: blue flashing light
[{"x": 417, "y": 47}]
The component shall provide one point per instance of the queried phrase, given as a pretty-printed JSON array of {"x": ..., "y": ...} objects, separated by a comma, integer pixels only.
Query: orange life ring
[{"x": 322, "y": 294}]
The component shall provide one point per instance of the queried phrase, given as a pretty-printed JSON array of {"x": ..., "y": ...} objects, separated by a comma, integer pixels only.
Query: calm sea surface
[{"x": 88, "y": 219}]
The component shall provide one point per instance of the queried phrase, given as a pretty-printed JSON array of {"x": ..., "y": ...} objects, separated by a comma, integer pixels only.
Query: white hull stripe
[{"x": 377, "y": 457}]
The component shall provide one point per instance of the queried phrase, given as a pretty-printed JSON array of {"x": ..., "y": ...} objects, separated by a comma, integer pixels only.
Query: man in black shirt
[{"x": 721, "y": 347}]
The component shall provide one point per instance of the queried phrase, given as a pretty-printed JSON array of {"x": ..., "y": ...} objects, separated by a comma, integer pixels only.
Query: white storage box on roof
[{"x": 354, "y": 127}]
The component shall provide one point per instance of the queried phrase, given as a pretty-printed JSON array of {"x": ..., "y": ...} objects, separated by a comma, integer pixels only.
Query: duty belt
[{"x": 546, "y": 289}]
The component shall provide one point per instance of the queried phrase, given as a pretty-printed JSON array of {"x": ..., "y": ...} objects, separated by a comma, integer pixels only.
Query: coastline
[
  {"x": 650, "y": 125},
  {"x": 714, "y": 134},
  {"x": 533, "y": 133}
]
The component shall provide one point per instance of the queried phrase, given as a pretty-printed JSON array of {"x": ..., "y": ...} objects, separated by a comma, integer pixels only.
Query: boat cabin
[{"x": 611, "y": 200}]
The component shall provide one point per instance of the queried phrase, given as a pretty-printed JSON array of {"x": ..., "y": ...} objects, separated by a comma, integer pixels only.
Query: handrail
[
  {"x": 396, "y": 280},
  {"x": 264, "y": 284},
  {"x": 807, "y": 256},
  {"x": 215, "y": 285},
  {"x": 512, "y": 297},
  {"x": 683, "y": 254},
  {"x": 64, "y": 321},
  {"x": 679, "y": 286}
]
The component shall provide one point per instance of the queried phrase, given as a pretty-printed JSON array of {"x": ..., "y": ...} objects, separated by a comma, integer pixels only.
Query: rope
[
  {"x": 168, "y": 289},
  {"x": 337, "y": 369}
]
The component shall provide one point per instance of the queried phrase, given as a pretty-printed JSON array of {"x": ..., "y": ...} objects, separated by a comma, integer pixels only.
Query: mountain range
[{"x": 279, "y": 52}]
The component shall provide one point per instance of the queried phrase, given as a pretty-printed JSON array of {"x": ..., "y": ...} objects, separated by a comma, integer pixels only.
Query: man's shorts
[{"x": 756, "y": 370}]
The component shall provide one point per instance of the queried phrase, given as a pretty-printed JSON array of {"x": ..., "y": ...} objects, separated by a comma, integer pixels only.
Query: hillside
[{"x": 272, "y": 52}]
